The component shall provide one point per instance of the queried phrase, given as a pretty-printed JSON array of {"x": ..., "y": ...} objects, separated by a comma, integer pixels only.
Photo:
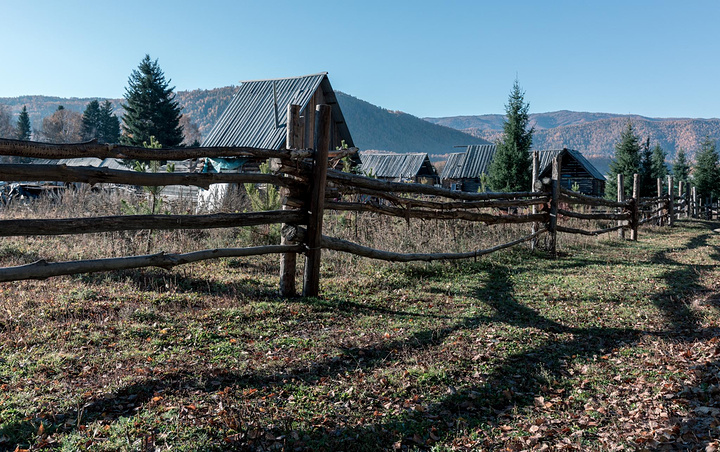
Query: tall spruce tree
[
  {"x": 109, "y": 124},
  {"x": 706, "y": 173},
  {"x": 99, "y": 122},
  {"x": 658, "y": 168},
  {"x": 91, "y": 121},
  {"x": 22, "y": 129},
  {"x": 646, "y": 174},
  {"x": 150, "y": 107},
  {"x": 681, "y": 167},
  {"x": 626, "y": 162},
  {"x": 510, "y": 167}
]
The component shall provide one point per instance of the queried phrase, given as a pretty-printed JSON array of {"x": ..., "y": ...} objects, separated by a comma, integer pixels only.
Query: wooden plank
[
  {"x": 42, "y": 269},
  {"x": 311, "y": 283},
  {"x": 435, "y": 214},
  {"x": 621, "y": 199},
  {"x": 138, "y": 222},
  {"x": 288, "y": 261},
  {"x": 578, "y": 198},
  {"x": 92, "y": 148},
  {"x": 90, "y": 175},
  {"x": 364, "y": 251},
  {"x": 354, "y": 180},
  {"x": 535, "y": 171},
  {"x": 595, "y": 216},
  {"x": 671, "y": 201},
  {"x": 554, "y": 203},
  {"x": 635, "y": 213}
]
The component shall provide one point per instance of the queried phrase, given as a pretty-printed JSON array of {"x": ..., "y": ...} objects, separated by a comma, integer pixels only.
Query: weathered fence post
[
  {"x": 660, "y": 205},
  {"x": 288, "y": 261},
  {"x": 554, "y": 204},
  {"x": 681, "y": 206},
  {"x": 311, "y": 283},
  {"x": 535, "y": 170},
  {"x": 621, "y": 198},
  {"x": 694, "y": 203},
  {"x": 635, "y": 208},
  {"x": 671, "y": 202}
]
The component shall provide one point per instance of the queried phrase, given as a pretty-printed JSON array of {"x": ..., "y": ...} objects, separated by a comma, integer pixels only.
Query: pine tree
[
  {"x": 681, "y": 167},
  {"x": 91, "y": 121},
  {"x": 99, "y": 122},
  {"x": 109, "y": 124},
  {"x": 647, "y": 182},
  {"x": 22, "y": 129},
  {"x": 626, "y": 162},
  {"x": 706, "y": 173},
  {"x": 150, "y": 108},
  {"x": 659, "y": 168},
  {"x": 510, "y": 167}
]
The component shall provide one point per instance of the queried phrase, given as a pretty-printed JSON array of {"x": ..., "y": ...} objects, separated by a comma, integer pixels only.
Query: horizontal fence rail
[{"x": 308, "y": 189}]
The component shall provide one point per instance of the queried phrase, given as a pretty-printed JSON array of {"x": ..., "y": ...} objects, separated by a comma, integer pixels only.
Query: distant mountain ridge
[
  {"x": 376, "y": 128},
  {"x": 372, "y": 127},
  {"x": 594, "y": 134}
]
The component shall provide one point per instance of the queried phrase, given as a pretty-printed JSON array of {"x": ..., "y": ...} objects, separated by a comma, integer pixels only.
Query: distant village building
[
  {"x": 415, "y": 167},
  {"x": 464, "y": 170}
]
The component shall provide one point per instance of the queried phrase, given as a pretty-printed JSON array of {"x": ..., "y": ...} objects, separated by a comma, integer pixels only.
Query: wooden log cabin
[
  {"x": 411, "y": 167},
  {"x": 463, "y": 170},
  {"x": 257, "y": 115}
]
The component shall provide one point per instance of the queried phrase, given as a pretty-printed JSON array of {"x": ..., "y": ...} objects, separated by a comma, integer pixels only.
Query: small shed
[
  {"x": 413, "y": 167},
  {"x": 257, "y": 114},
  {"x": 463, "y": 170},
  {"x": 575, "y": 170}
]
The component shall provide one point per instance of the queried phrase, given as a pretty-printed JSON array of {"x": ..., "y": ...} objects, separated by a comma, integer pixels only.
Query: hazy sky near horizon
[{"x": 428, "y": 58}]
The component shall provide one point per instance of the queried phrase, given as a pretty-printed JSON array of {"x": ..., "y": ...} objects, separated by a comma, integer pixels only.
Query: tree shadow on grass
[{"x": 514, "y": 382}]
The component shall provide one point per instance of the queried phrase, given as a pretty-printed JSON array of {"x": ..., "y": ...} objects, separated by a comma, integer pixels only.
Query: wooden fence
[{"x": 309, "y": 188}]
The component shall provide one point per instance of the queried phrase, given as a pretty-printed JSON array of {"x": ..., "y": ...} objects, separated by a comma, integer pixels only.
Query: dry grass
[{"x": 612, "y": 346}]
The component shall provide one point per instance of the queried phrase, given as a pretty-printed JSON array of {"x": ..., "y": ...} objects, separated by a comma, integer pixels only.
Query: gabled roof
[
  {"x": 546, "y": 157},
  {"x": 476, "y": 160},
  {"x": 250, "y": 119},
  {"x": 469, "y": 164},
  {"x": 395, "y": 165}
]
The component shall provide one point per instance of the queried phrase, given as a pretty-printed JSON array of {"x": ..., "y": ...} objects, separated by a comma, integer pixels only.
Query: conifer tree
[
  {"x": 658, "y": 167},
  {"x": 150, "y": 107},
  {"x": 22, "y": 129},
  {"x": 706, "y": 173},
  {"x": 99, "y": 122},
  {"x": 510, "y": 167},
  {"x": 91, "y": 121},
  {"x": 647, "y": 182},
  {"x": 109, "y": 124},
  {"x": 626, "y": 162},
  {"x": 681, "y": 167}
]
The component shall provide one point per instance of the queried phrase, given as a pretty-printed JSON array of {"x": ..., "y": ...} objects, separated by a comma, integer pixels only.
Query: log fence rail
[{"x": 309, "y": 188}]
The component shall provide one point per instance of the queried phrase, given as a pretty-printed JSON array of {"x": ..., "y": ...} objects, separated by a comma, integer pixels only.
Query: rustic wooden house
[
  {"x": 257, "y": 117},
  {"x": 463, "y": 170},
  {"x": 575, "y": 170},
  {"x": 257, "y": 114},
  {"x": 414, "y": 167}
]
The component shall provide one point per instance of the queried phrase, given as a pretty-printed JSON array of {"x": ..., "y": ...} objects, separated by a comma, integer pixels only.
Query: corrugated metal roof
[
  {"x": 546, "y": 157},
  {"x": 469, "y": 164},
  {"x": 250, "y": 119},
  {"x": 394, "y": 165}
]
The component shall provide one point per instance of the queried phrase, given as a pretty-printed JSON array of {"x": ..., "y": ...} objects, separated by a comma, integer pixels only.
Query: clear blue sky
[{"x": 428, "y": 58}]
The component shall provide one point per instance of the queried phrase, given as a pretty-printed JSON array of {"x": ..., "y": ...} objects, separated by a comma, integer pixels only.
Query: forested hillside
[
  {"x": 373, "y": 127},
  {"x": 595, "y": 134}
]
